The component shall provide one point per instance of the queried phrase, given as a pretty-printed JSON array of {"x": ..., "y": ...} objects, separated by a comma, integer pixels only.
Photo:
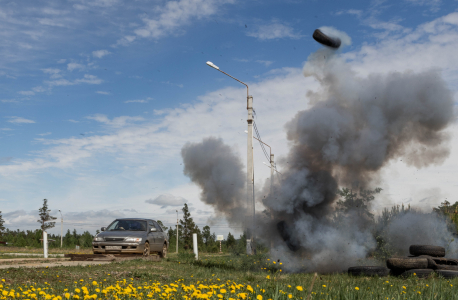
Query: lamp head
[{"x": 212, "y": 65}]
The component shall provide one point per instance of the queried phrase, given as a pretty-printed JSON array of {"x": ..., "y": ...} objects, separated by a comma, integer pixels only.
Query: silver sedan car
[{"x": 131, "y": 236}]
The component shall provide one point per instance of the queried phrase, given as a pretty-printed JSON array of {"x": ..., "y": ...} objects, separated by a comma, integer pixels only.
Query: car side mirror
[
  {"x": 103, "y": 228},
  {"x": 153, "y": 229}
]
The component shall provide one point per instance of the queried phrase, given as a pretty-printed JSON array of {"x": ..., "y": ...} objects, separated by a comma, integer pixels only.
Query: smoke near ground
[{"x": 353, "y": 128}]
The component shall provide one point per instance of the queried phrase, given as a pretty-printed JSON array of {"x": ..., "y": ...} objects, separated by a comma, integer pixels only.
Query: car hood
[{"x": 121, "y": 234}]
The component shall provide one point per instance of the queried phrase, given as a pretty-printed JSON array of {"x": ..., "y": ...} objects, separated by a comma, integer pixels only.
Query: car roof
[{"x": 138, "y": 219}]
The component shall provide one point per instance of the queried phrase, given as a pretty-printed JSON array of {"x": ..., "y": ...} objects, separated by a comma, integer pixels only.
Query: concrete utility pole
[
  {"x": 271, "y": 193},
  {"x": 250, "y": 218},
  {"x": 177, "y": 231},
  {"x": 61, "y": 229}
]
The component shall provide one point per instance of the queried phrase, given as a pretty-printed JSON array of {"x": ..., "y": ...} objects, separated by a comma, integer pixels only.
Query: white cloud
[
  {"x": 166, "y": 200},
  {"x": 39, "y": 89},
  {"x": 180, "y": 85},
  {"x": 89, "y": 79},
  {"x": 172, "y": 17},
  {"x": 19, "y": 120},
  {"x": 82, "y": 220},
  {"x": 265, "y": 62},
  {"x": 43, "y": 134},
  {"x": 50, "y": 22},
  {"x": 115, "y": 122},
  {"x": 103, "y": 93},
  {"x": 274, "y": 30},
  {"x": 100, "y": 53},
  {"x": 5, "y": 129},
  {"x": 54, "y": 73},
  {"x": 26, "y": 93},
  {"x": 73, "y": 66},
  {"x": 139, "y": 100},
  {"x": 61, "y": 61},
  {"x": 355, "y": 12}
]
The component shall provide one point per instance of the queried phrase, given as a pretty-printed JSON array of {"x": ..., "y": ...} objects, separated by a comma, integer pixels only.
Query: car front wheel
[
  {"x": 146, "y": 250},
  {"x": 163, "y": 253}
]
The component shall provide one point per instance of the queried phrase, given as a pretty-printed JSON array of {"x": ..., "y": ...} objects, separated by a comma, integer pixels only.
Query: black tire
[
  {"x": 322, "y": 38},
  {"x": 445, "y": 261},
  {"x": 163, "y": 253},
  {"x": 146, "y": 250},
  {"x": 419, "y": 273},
  {"x": 368, "y": 271},
  {"x": 447, "y": 274},
  {"x": 407, "y": 263},
  {"x": 447, "y": 267},
  {"x": 436, "y": 251}
]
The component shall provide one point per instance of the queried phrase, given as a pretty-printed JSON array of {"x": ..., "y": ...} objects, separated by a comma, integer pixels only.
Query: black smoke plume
[{"x": 355, "y": 125}]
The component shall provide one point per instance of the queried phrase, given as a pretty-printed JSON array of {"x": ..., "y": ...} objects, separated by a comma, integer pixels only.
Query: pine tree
[
  {"x": 162, "y": 225},
  {"x": 206, "y": 234},
  {"x": 45, "y": 217},
  {"x": 2, "y": 228},
  {"x": 187, "y": 228},
  {"x": 230, "y": 241}
]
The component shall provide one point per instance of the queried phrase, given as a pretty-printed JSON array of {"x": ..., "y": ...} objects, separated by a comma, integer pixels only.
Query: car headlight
[
  {"x": 98, "y": 239},
  {"x": 133, "y": 240}
]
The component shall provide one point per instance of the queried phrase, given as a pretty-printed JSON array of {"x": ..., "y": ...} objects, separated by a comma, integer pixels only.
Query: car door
[
  {"x": 151, "y": 237},
  {"x": 159, "y": 237}
]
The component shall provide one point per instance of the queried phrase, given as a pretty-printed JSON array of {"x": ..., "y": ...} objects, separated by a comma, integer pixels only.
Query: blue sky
[{"x": 98, "y": 97}]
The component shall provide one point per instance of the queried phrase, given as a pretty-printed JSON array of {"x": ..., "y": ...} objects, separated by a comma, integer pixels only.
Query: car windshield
[{"x": 131, "y": 225}]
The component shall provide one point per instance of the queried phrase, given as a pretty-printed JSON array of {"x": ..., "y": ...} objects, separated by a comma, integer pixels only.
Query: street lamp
[
  {"x": 250, "y": 248},
  {"x": 61, "y": 229}
]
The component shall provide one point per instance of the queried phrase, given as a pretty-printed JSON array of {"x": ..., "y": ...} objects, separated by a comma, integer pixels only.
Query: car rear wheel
[
  {"x": 163, "y": 253},
  {"x": 146, "y": 250}
]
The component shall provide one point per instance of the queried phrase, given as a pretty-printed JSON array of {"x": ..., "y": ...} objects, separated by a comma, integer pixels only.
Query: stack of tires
[{"x": 424, "y": 261}]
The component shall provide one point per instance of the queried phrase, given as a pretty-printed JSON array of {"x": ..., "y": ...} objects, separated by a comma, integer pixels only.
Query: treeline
[{"x": 32, "y": 238}]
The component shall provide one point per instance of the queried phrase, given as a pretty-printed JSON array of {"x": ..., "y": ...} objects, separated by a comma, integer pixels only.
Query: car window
[
  {"x": 129, "y": 225},
  {"x": 151, "y": 225},
  {"x": 159, "y": 228}
]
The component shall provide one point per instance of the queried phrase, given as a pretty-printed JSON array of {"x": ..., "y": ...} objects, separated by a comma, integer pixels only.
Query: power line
[{"x": 260, "y": 139}]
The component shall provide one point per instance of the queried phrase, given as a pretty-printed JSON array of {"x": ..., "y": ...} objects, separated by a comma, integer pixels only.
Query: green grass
[{"x": 256, "y": 271}]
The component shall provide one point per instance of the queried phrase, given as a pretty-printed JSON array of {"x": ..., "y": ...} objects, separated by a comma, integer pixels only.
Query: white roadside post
[
  {"x": 194, "y": 244},
  {"x": 45, "y": 244},
  {"x": 177, "y": 232},
  {"x": 220, "y": 238},
  {"x": 61, "y": 229}
]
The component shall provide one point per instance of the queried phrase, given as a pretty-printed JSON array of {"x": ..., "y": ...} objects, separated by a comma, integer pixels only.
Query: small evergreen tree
[
  {"x": 2, "y": 227},
  {"x": 187, "y": 228},
  {"x": 45, "y": 217},
  {"x": 230, "y": 241},
  {"x": 206, "y": 235}
]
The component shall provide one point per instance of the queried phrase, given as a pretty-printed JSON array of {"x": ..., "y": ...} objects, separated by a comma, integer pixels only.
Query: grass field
[{"x": 213, "y": 277}]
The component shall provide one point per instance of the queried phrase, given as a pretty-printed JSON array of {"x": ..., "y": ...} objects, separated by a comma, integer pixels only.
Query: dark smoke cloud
[
  {"x": 217, "y": 170},
  {"x": 355, "y": 125}
]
